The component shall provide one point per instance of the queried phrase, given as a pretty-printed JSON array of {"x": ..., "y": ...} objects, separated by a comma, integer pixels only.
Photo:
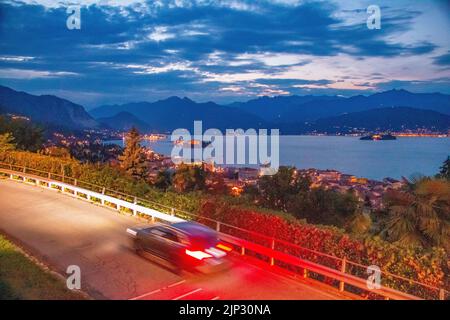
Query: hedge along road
[{"x": 62, "y": 231}]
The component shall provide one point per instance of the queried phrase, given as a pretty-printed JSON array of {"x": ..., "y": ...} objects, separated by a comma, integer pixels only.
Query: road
[{"x": 62, "y": 231}]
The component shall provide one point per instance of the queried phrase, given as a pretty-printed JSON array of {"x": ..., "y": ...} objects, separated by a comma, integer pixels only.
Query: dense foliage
[
  {"x": 188, "y": 178},
  {"x": 444, "y": 173},
  {"x": 426, "y": 266},
  {"x": 7, "y": 142},
  {"x": 290, "y": 191},
  {"x": 420, "y": 215},
  {"x": 429, "y": 266},
  {"x": 27, "y": 136},
  {"x": 132, "y": 160},
  {"x": 108, "y": 176}
]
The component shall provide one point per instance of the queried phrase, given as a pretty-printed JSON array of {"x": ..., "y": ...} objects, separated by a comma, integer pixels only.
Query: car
[{"x": 185, "y": 245}]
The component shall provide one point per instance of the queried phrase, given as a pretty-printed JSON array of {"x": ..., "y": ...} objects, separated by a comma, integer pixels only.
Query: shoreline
[
  {"x": 376, "y": 160},
  {"x": 166, "y": 136}
]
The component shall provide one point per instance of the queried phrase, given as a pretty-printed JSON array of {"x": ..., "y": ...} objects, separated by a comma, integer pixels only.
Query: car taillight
[
  {"x": 198, "y": 254},
  {"x": 223, "y": 247}
]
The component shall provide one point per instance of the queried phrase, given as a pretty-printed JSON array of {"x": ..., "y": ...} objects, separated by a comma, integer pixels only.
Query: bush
[
  {"x": 104, "y": 176},
  {"x": 428, "y": 267}
]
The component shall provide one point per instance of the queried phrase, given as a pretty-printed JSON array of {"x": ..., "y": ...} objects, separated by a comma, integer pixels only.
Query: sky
[{"x": 222, "y": 50}]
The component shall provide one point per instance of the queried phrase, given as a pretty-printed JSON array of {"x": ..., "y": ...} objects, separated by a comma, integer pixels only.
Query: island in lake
[{"x": 378, "y": 137}]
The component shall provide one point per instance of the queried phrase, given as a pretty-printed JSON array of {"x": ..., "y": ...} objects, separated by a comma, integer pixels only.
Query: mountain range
[
  {"x": 174, "y": 112},
  {"x": 376, "y": 120},
  {"x": 294, "y": 109},
  {"x": 384, "y": 111},
  {"x": 46, "y": 109},
  {"x": 124, "y": 121}
]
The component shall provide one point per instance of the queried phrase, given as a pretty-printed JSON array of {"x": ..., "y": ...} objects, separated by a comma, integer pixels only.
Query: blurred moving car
[{"x": 185, "y": 245}]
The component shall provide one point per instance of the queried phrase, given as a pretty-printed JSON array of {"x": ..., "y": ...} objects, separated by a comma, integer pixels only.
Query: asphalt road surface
[{"x": 62, "y": 231}]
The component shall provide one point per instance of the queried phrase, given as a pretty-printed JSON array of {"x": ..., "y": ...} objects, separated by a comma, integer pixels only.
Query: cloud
[
  {"x": 270, "y": 59},
  {"x": 15, "y": 58},
  {"x": 219, "y": 48},
  {"x": 160, "y": 34},
  {"x": 33, "y": 74},
  {"x": 235, "y": 89},
  {"x": 86, "y": 3},
  {"x": 443, "y": 60},
  {"x": 273, "y": 92},
  {"x": 340, "y": 85},
  {"x": 178, "y": 66}
]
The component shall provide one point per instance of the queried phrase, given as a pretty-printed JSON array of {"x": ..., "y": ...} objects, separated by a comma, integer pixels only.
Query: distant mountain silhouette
[
  {"x": 293, "y": 110},
  {"x": 45, "y": 109},
  {"x": 175, "y": 112},
  {"x": 375, "y": 120},
  {"x": 390, "y": 110},
  {"x": 272, "y": 108},
  {"x": 124, "y": 121}
]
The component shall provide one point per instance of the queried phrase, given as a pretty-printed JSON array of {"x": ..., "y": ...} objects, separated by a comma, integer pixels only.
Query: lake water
[{"x": 405, "y": 156}]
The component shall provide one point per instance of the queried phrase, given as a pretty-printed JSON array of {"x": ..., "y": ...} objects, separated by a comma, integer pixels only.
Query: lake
[{"x": 405, "y": 156}]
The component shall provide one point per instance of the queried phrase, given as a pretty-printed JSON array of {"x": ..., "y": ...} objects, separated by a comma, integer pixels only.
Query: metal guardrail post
[
  {"x": 272, "y": 246},
  {"x": 172, "y": 211},
  {"x": 134, "y": 202},
  {"x": 217, "y": 226},
  {"x": 24, "y": 170},
  {"x": 343, "y": 267},
  {"x": 75, "y": 182},
  {"x": 243, "y": 251},
  {"x": 441, "y": 294},
  {"x": 103, "y": 200}
]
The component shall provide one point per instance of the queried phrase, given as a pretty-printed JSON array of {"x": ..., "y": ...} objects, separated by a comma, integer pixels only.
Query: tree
[
  {"x": 59, "y": 152},
  {"x": 360, "y": 224},
  {"x": 444, "y": 173},
  {"x": 321, "y": 206},
  {"x": 163, "y": 179},
  {"x": 420, "y": 215},
  {"x": 290, "y": 190},
  {"x": 27, "y": 136},
  {"x": 276, "y": 191},
  {"x": 217, "y": 184},
  {"x": 188, "y": 178},
  {"x": 133, "y": 160},
  {"x": 7, "y": 142}
]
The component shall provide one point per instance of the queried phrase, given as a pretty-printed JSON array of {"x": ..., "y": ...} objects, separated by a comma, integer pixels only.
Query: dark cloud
[
  {"x": 116, "y": 48},
  {"x": 441, "y": 85},
  {"x": 443, "y": 60}
]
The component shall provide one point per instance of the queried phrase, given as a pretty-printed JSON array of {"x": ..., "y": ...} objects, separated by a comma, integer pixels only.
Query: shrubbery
[
  {"x": 426, "y": 266},
  {"x": 103, "y": 175}
]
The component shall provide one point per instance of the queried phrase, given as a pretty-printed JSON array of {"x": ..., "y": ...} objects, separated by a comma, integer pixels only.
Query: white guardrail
[
  {"x": 344, "y": 278},
  {"x": 102, "y": 199}
]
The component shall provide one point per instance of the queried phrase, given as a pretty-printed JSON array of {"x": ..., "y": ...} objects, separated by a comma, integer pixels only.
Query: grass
[{"x": 23, "y": 279}]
